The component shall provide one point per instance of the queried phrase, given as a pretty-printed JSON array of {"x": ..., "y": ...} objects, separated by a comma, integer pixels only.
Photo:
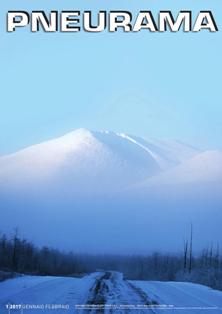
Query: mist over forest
[{"x": 19, "y": 256}]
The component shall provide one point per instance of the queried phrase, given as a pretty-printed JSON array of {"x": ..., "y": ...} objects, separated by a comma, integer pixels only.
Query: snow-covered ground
[
  {"x": 106, "y": 292},
  {"x": 182, "y": 297},
  {"x": 43, "y": 292}
]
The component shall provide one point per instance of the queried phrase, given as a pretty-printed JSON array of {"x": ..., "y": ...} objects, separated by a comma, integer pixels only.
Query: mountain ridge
[
  {"x": 96, "y": 190},
  {"x": 84, "y": 156}
]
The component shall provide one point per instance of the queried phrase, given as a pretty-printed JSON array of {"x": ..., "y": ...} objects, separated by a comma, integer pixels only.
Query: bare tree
[
  {"x": 185, "y": 251},
  {"x": 191, "y": 248},
  {"x": 15, "y": 250}
]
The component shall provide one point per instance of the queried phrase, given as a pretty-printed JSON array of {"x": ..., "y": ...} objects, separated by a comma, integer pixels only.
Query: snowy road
[
  {"x": 115, "y": 295},
  {"x": 182, "y": 297},
  {"x": 106, "y": 292},
  {"x": 42, "y": 293}
]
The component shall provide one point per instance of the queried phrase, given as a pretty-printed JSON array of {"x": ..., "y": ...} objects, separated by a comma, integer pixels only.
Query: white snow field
[
  {"x": 182, "y": 297},
  {"x": 106, "y": 292},
  {"x": 37, "y": 291}
]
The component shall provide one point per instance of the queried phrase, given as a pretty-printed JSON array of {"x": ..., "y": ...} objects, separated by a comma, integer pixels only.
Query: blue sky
[{"x": 159, "y": 85}]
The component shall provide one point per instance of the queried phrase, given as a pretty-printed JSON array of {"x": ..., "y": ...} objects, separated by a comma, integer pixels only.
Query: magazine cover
[{"x": 110, "y": 157}]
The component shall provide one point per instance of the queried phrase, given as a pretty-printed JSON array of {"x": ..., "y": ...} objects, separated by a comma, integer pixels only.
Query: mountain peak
[
  {"x": 94, "y": 158},
  {"x": 77, "y": 132}
]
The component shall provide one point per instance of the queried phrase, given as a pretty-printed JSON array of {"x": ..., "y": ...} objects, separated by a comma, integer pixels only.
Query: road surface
[{"x": 105, "y": 292}]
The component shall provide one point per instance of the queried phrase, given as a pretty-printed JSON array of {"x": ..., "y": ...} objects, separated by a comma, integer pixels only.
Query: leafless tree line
[{"x": 18, "y": 255}]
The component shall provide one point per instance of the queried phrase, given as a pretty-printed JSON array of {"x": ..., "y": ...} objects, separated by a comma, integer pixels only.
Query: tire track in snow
[{"x": 112, "y": 294}]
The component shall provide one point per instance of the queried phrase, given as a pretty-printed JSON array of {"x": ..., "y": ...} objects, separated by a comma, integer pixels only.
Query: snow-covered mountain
[
  {"x": 93, "y": 160},
  {"x": 112, "y": 192},
  {"x": 203, "y": 168}
]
